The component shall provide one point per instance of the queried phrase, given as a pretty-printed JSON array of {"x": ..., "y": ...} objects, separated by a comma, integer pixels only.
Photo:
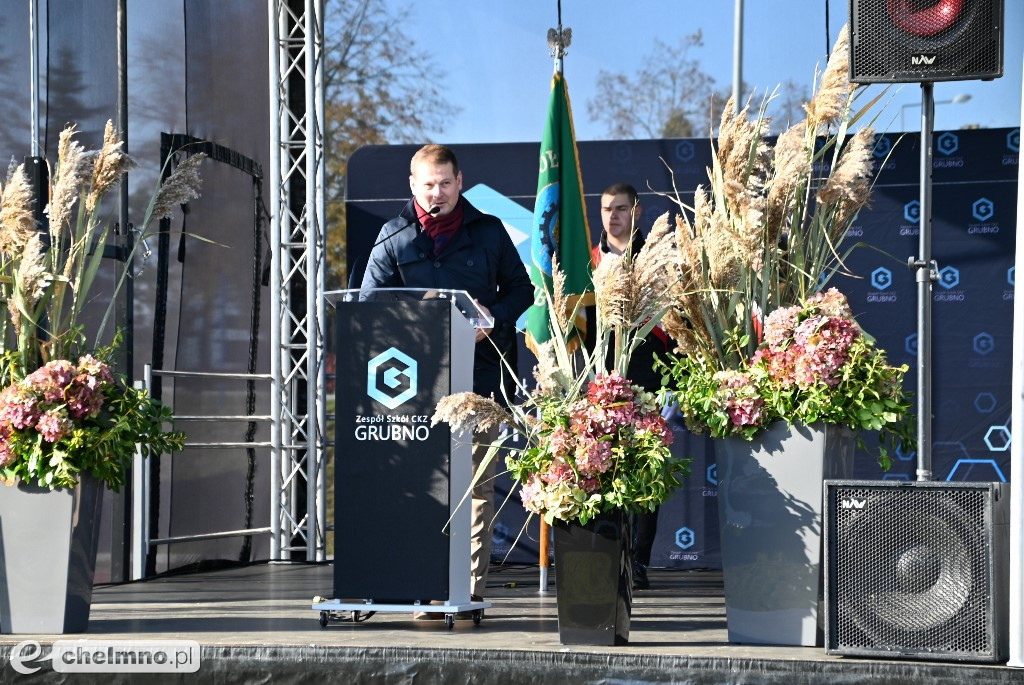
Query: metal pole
[
  {"x": 121, "y": 565},
  {"x": 33, "y": 61},
  {"x": 737, "y": 58},
  {"x": 276, "y": 457},
  {"x": 1017, "y": 449},
  {"x": 925, "y": 276},
  {"x": 139, "y": 496}
]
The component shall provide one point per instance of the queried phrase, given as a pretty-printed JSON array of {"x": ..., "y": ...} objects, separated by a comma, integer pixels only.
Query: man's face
[
  {"x": 618, "y": 216},
  {"x": 435, "y": 185}
]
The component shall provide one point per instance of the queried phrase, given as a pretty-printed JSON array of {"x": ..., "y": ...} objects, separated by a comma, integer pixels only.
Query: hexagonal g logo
[
  {"x": 685, "y": 538},
  {"x": 983, "y": 209},
  {"x": 882, "y": 147},
  {"x": 947, "y": 143},
  {"x": 983, "y": 343},
  {"x": 1013, "y": 140},
  {"x": 685, "y": 151},
  {"x": 912, "y": 211},
  {"x": 383, "y": 378},
  {"x": 949, "y": 277},
  {"x": 881, "y": 278},
  {"x": 910, "y": 344}
]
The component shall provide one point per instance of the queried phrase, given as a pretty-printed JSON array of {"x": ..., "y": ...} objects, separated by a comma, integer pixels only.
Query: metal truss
[{"x": 298, "y": 325}]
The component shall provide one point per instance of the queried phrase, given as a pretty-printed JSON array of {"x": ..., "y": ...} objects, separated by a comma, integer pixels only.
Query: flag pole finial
[{"x": 558, "y": 43}]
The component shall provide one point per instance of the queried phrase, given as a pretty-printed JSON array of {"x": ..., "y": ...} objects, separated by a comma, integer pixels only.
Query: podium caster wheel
[
  {"x": 449, "y": 621},
  {"x": 478, "y": 616},
  {"x": 323, "y": 619}
]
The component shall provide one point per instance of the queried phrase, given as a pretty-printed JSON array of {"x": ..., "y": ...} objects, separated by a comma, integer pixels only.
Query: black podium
[{"x": 400, "y": 537}]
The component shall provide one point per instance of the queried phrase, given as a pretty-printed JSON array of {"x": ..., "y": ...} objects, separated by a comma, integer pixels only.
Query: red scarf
[{"x": 440, "y": 228}]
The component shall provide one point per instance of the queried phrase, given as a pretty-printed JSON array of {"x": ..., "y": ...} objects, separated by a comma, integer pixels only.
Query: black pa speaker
[
  {"x": 917, "y": 570},
  {"x": 897, "y": 41}
]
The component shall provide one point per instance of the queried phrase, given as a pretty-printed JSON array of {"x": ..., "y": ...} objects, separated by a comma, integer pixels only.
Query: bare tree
[
  {"x": 380, "y": 88},
  {"x": 788, "y": 105},
  {"x": 669, "y": 97}
]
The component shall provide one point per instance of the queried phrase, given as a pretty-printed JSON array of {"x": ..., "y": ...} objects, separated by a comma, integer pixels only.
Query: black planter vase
[{"x": 594, "y": 580}]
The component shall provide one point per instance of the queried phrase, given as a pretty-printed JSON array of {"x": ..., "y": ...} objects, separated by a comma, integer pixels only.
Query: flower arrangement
[
  {"x": 59, "y": 418},
  {"x": 764, "y": 239},
  {"x": 593, "y": 441},
  {"x": 598, "y": 456},
  {"x": 813, "y": 363},
  {"x": 64, "y": 419}
]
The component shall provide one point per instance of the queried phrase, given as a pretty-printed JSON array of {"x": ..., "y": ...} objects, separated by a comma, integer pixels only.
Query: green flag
[{"x": 559, "y": 221}]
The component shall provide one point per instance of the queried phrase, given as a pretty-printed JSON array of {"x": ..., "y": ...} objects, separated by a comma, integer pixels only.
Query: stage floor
[{"x": 255, "y": 623}]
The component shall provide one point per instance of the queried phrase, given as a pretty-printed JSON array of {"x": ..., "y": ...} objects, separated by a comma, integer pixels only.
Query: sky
[{"x": 493, "y": 59}]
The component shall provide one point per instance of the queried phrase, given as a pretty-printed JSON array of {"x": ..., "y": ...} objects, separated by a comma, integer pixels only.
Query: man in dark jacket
[
  {"x": 620, "y": 217},
  {"x": 440, "y": 240}
]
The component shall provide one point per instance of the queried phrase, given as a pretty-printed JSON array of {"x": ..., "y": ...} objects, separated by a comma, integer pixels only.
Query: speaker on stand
[
  {"x": 898, "y": 41},
  {"x": 916, "y": 570}
]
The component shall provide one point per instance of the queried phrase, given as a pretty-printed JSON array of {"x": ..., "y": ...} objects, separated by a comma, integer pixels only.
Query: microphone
[{"x": 433, "y": 211}]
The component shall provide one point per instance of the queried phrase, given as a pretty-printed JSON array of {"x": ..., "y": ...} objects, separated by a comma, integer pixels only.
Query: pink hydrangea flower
[
  {"x": 54, "y": 425},
  {"x": 593, "y": 457}
]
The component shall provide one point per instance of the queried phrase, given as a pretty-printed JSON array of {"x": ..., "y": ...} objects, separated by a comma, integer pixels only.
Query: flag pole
[{"x": 558, "y": 41}]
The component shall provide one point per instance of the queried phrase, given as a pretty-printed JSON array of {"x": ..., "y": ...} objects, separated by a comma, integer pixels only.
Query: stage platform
[{"x": 255, "y": 624}]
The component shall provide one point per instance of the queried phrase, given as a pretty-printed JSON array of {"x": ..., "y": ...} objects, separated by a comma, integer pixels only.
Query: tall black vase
[{"x": 594, "y": 580}]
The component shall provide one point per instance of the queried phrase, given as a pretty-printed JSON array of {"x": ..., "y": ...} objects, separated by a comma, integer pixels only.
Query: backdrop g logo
[
  {"x": 881, "y": 278},
  {"x": 912, "y": 211},
  {"x": 983, "y": 209},
  {"x": 685, "y": 538},
  {"x": 384, "y": 375},
  {"x": 947, "y": 143}
]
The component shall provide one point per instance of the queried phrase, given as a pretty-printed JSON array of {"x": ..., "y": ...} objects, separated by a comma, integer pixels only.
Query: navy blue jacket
[{"x": 480, "y": 259}]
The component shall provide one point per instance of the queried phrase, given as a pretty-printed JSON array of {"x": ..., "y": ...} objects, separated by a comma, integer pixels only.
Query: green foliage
[{"x": 100, "y": 443}]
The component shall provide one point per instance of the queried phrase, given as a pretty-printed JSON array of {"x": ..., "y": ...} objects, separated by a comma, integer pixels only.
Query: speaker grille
[
  {"x": 910, "y": 571},
  {"x": 913, "y": 40}
]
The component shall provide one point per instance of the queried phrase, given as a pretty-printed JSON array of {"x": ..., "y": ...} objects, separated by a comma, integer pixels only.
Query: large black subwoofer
[
  {"x": 917, "y": 569},
  {"x": 898, "y": 41}
]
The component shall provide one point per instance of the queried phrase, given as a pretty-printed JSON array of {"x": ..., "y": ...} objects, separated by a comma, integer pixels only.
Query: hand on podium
[{"x": 482, "y": 333}]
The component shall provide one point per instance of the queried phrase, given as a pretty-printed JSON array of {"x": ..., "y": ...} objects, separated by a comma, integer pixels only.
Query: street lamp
[{"x": 958, "y": 99}]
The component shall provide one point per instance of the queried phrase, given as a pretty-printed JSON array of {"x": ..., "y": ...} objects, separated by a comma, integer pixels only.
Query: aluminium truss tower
[{"x": 298, "y": 318}]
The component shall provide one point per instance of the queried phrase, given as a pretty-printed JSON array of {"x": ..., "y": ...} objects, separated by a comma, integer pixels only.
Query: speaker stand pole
[{"x": 926, "y": 273}]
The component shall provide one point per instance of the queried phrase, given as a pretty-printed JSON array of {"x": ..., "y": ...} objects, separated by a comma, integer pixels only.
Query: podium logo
[{"x": 391, "y": 378}]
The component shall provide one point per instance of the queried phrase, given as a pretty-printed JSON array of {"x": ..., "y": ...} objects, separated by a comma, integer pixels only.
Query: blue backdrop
[{"x": 974, "y": 223}]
